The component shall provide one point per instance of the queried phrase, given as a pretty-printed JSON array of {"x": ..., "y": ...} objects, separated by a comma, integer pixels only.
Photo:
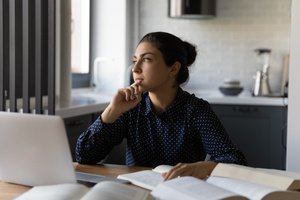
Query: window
[{"x": 80, "y": 43}]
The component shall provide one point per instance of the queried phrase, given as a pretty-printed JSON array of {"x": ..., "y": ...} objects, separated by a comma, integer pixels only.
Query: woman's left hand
[{"x": 200, "y": 170}]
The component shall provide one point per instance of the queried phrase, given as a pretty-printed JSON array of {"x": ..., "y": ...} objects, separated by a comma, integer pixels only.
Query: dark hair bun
[{"x": 191, "y": 53}]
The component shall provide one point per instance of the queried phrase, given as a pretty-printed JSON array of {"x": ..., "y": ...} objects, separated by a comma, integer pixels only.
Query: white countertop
[
  {"x": 87, "y": 101},
  {"x": 84, "y": 102},
  {"x": 244, "y": 98}
]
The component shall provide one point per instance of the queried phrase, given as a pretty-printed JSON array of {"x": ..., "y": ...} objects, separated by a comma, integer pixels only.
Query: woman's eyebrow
[{"x": 144, "y": 54}]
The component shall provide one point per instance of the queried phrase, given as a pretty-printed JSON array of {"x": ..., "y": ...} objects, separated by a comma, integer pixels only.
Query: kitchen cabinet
[
  {"x": 258, "y": 131},
  {"x": 76, "y": 125}
]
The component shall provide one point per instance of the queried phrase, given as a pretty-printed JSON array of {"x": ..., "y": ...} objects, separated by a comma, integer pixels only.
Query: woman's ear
[{"x": 175, "y": 68}]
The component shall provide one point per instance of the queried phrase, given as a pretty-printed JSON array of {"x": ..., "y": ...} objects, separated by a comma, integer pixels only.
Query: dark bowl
[{"x": 231, "y": 91}]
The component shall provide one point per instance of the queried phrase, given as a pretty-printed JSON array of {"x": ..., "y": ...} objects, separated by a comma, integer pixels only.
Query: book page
[
  {"x": 254, "y": 175},
  {"x": 252, "y": 190},
  {"x": 190, "y": 188},
  {"x": 248, "y": 189},
  {"x": 57, "y": 192},
  {"x": 293, "y": 175},
  {"x": 148, "y": 179},
  {"x": 108, "y": 190},
  {"x": 162, "y": 168}
]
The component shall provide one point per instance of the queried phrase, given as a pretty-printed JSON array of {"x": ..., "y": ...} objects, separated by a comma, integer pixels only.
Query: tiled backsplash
[{"x": 226, "y": 43}]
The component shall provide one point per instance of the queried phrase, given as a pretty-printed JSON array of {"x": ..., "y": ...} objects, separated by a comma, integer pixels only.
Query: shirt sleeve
[
  {"x": 94, "y": 144},
  {"x": 216, "y": 141}
]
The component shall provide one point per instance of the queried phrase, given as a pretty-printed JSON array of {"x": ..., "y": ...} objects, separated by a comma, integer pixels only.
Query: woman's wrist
[{"x": 110, "y": 115}]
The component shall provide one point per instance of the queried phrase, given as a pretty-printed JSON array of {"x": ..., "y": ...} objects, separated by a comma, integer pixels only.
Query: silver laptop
[{"x": 34, "y": 150}]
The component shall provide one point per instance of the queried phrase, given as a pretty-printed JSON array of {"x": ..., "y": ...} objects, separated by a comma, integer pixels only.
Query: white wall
[
  {"x": 226, "y": 43},
  {"x": 293, "y": 138}
]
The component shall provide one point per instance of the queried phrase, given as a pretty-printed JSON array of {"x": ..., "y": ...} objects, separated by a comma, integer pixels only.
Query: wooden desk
[{"x": 9, "y": 191}]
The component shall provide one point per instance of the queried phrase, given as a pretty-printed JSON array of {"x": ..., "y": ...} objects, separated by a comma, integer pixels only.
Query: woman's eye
[{"x": 146, "y": 59}]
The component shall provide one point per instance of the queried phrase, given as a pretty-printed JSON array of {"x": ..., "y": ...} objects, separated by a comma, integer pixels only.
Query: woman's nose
[{"x": 136, "y": 68}]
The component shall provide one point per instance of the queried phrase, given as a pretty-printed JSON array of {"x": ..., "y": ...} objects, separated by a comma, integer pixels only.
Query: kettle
[{"x": 262, "y": 86}]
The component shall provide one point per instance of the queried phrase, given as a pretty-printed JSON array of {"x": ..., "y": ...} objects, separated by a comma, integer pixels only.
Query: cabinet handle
[
  {"x": 283, "y": 136},
  {"x": 244, "y": 109}
]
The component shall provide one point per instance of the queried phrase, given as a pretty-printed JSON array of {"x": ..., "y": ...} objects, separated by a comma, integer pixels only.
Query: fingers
[
  {"x": 176, "y": 171},
  {"x": 132, "y": 92},
  {"x": 199, "y": 170}
]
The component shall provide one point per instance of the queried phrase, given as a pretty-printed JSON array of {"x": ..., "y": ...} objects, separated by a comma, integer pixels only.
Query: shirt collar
[
  {"x": 176, "y": 102},
  {"x": 148, "y": 104}
]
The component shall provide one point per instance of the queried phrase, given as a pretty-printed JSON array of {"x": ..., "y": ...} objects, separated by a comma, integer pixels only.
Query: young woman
[{"x": 162, "y": 123}]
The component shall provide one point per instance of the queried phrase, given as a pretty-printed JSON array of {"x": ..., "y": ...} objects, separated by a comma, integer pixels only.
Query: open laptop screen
[{"x": 34, "y": 150}]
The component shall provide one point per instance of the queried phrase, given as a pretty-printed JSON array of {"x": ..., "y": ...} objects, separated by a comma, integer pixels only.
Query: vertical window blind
[{"x": 27, "y": 56}]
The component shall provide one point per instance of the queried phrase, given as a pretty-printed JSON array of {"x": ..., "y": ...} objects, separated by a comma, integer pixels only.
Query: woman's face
[{"x": 151, "y": 69}]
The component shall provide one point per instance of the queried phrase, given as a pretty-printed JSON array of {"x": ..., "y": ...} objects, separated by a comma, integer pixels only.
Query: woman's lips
[{"x": 138, "y": 80}]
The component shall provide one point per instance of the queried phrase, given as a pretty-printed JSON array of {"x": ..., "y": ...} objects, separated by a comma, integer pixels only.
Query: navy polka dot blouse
[{"x": 186, "y": 133}]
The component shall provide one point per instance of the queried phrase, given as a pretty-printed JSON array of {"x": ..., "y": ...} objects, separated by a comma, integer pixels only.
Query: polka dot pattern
[{"x": 186, "y": 132}]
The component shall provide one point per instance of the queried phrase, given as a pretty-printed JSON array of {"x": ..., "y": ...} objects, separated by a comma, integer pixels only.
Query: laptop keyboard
[{"x": 91, "y": 179}]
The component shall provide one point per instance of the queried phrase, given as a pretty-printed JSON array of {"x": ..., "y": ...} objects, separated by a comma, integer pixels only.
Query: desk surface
[{"x": 9, "y": 191}]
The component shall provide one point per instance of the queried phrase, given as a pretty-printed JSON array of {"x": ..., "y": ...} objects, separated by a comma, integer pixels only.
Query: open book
[
  {"x": 148, "y": 179},
  {"x": 280, "y": 179},
  {"x": 190, "y": 188},
  {"x": 105, "y": 190},
  {"x": 227, "y": 181}
]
